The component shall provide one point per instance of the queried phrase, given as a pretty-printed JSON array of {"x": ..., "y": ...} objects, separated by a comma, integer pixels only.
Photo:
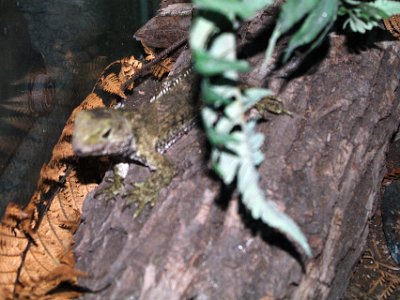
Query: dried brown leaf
[
  {"x": 393, "y": 25},
  {"x": 163, "y": 67},
  {"x": 112, "y": 84},
  {"x": 35, "y": 263},
  {"x": 52, "y": 172},
  {"x": 150, "y": 53},
  {"x": 36, "y": 241},
  {"x": 129, "y": 67}
]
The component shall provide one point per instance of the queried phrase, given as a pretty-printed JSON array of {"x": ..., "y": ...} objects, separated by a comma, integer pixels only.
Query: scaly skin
[
  {"x": 141, "y": 135},
  {"x": 145, "y": 133}
]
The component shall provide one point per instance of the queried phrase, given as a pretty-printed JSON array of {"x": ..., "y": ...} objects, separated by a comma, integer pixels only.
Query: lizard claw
[
  {"x": 144, "y": 193},
  {"x": 147, "y": 192}
]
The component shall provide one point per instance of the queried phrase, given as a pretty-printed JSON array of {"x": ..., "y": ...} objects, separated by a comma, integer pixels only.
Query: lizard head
[{"x": 102, "y": 132}]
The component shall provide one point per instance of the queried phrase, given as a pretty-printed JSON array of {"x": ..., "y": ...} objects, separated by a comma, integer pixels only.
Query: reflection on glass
[{"x": 52, "y": 52}]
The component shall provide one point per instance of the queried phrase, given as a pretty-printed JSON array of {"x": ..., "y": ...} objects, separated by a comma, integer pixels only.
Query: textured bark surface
[{"x": 323, "y": 166}]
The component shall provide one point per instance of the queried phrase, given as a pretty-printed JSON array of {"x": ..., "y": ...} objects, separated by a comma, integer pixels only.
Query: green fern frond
[{"x": 236, "y": 145}]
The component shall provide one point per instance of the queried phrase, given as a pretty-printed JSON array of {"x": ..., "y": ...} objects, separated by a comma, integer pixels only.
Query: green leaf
[
  {"x": 209, "y": 116},
  {"x": 224, "y": 46},
  {"x": 358, "y": 25},
  {"x": 216, "y": 95},
  {"x": 235, "y": 144},
  {"x": 365, "y": 16},
  {"x": 266, "y": 210},
  {"x": 234, "y": 110},
  {"x": 200, "y": 33},
  {"x": 272, "y": 43},
  {"x": 219, "y": 133},
  {"x": 323, "y": 15},
  {"x": 225, "y": 125},
  {"x": 257, "y": 5},
  {"x": 217, "y": 139},
  {"x": 258, "y": 157},
  {"x": 256, "y": 140},
  {"x": 228, "y": 165},
  {"x": 230, "y": 8},
  {"x": 388, "y": 7},
  {"x": 238, "y": 147},
  {"x": 208, "y": 65},
  {"x": 293, "y": 11}
]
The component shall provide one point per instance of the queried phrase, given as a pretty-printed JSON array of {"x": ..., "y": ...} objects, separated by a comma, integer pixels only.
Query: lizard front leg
[{"x": 147, "y": 192}]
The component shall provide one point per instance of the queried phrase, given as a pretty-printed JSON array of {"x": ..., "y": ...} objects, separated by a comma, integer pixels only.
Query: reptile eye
[{"x": 106, "y": 134}]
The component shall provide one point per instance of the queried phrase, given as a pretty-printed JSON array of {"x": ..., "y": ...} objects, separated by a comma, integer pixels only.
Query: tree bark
[{"x": 323, "y": 166}]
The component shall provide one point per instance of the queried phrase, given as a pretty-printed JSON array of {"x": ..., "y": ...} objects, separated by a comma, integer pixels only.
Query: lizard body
[
  {"x": 142, "y": 134},
  {"x": 147, "y": 131}
]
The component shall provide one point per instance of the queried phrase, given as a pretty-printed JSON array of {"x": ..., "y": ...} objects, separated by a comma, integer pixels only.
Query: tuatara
[{"x": 142, "y": 134}]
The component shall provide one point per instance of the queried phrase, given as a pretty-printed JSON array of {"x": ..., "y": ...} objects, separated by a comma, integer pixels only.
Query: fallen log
[{"x": 323, "y": 166}]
